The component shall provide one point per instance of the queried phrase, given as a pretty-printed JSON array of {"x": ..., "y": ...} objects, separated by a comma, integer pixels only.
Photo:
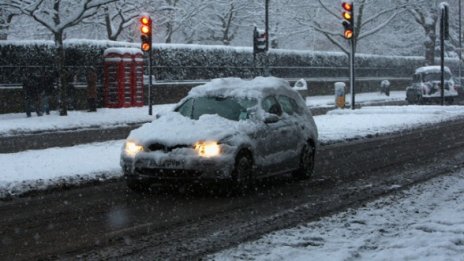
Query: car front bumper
[{"x": 162, "y": 167}]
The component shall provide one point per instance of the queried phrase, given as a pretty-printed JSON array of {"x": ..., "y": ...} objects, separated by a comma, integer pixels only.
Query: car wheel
[
  {"x": 242, "y": 175},
  {"x": 138, "y": 186},
  {"x": 306, "y": 168}
]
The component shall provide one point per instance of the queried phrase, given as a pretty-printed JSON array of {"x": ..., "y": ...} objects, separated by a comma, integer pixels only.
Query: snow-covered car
[
  {"x": 458, "y": 86},
  {"x": 228, "y": 129},
  {"x": 426, "y": 86}
]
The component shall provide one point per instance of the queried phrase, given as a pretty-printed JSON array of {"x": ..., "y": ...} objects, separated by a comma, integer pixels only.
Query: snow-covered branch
[{"x": 378, "y": 27}]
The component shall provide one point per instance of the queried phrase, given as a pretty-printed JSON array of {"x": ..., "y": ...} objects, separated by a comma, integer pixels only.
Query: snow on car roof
[
  {"x": 431, "y": 69},
  {"x": 236, "y": 87}
]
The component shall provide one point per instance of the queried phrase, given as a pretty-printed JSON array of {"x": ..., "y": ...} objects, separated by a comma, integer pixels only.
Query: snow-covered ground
[
  {"x": 425, "y": 222},
  {"x": 14, "y": 123},
  {"x": 37, "y": 169}
]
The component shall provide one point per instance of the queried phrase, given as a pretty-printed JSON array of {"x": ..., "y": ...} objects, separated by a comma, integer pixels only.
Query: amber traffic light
[
  {"x": 348, "y": 20},
  {"x": 146, "y": 32}
]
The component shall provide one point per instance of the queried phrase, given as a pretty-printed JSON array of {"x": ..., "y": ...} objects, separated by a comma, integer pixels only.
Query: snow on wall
[
  {"x": 430, "y": 69},
  {"x": 199, "y": 62}
]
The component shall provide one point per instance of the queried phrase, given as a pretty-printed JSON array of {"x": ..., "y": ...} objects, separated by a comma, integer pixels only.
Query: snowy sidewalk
[
  {"x": 369, "y": 98},
  {"x": 425, "y": 222},
  {"x": 18, "y": 123}
]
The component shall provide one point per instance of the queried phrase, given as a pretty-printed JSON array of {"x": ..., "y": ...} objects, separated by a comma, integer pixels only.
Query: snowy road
[
  {"x": 366, "y": 154},
  {"x": 108, "y": 221}
]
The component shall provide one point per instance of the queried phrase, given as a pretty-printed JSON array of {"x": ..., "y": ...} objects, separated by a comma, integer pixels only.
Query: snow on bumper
[{"x": 175, "y": 166}]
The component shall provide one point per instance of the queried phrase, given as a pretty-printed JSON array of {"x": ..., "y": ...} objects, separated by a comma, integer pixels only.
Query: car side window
[
  {"x": 270, "y": 105},
  {"x": 186, "y": 108},
  {"x": 297, "y": 108},
  {"x": 286, "y": 104}
]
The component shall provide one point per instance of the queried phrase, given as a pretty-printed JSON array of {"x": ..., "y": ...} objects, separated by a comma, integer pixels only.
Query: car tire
[
  {"x": 306, "y": 168},
  {"x": 138, "y": 186},
  {"x": 242, "y": 176}
]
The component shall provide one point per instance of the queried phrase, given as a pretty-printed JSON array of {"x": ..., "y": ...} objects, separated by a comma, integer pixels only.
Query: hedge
[{"x": 195, "y": 62}]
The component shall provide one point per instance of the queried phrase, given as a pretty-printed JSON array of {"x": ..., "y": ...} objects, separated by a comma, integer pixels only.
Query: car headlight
[
  {"x": 208, "y": 149},
  {"x": 131, "y": 148}
]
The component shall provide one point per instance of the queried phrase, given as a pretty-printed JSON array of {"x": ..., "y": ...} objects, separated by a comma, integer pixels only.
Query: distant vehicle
[
  {"x": 227, "y": 129},
  {"x": 426, "y": 84},
  {"x": 458, "y": 86}
]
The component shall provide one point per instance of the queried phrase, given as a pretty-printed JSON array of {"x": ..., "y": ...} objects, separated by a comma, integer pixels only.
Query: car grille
[
  {"x": 162, "y": 147},
  {"x": 169, "y": 173}
]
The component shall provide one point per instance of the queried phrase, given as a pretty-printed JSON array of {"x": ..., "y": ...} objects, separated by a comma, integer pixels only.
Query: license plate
[{"x": 166, "y": 164}]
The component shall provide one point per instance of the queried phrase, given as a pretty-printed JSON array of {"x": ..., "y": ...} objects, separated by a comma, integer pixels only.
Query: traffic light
[
  {"x": 259, "y": 40},
  {"x": 145, "y": 32},
  {"x": 348, "y": 19}
]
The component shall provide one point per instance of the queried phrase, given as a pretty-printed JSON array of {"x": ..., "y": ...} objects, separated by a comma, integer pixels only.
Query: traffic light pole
[
  {"x": 352, "y": 89},
  {"x": 150, "y": 100},
  {"x": 146, "y": 37},
  {"x": 350, "y": 34},
  {"x": 460, "y": 44},
  {"x": 442, "y": 62},
  {"x": 266, "y": 68},
  {"x": 444, "y": 35}
]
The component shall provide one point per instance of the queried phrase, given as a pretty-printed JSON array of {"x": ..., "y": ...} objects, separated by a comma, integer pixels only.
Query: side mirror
[
  {"x": 271, "y": 118},
  {"x": 300, "y": 85}
]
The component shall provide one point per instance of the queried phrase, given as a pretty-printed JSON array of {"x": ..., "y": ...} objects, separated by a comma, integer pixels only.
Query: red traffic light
[
  {"x": 347, "y": 6},
  {"x": 145, "y": 20}
]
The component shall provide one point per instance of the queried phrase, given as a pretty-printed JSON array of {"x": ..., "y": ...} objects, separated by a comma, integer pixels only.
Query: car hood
[{"x": 174, "y": 129}]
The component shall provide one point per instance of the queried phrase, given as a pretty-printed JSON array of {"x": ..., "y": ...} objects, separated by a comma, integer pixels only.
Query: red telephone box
[{"x": 123, "y": 77}]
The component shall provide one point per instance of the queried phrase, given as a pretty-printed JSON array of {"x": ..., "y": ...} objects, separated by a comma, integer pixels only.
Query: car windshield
[
  {"x": 435, "y": 76},
  {"x": 232, "y": 108}
]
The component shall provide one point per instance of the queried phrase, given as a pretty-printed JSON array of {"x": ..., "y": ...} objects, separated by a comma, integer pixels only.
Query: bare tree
[
  {"x": 57, "y": 16},
  {"x": 454, "y": 27},
  {"x": 367, "y": 20},
  {"x": 118, "y": 16},
  {"x": 6, "y": 16},
  {"x": 426, "y": 14},
  {"x": 223, "y": 19},
  {"x": 177, "y": 16}
]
